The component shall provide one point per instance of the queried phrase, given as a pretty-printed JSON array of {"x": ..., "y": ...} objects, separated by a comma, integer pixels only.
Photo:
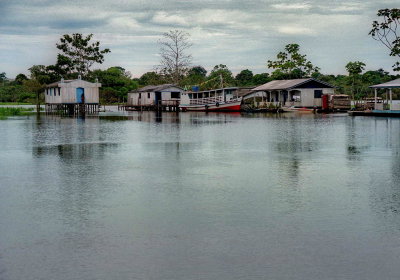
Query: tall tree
[
  {"x": 218, "y": 72},
  {"x": 386, "y": 32},
  {"x": 115, "y": 83},
  {"x": 151, "y": 78},
  {"x": 292, "y": 64},
  {"x": 355, "y": 69},
  {"x": 195, "y": 76},
  {"x": 175, "y": 60},
  {"x": 20, "y": 78},
  {"x": 3, "y": 77},
  {"x": 79, "y": 53},
  {"x": 244, "y": 78},
  {"x": 260, "y": 79}
]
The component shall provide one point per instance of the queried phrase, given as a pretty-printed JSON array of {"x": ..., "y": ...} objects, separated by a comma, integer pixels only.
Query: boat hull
[
  {"x": 214, "y": 107},
  {"x": 299, "y": 109}
]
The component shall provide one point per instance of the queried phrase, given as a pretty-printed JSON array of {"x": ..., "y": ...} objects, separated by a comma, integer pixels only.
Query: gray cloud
[{"x": 241, "y": 34}]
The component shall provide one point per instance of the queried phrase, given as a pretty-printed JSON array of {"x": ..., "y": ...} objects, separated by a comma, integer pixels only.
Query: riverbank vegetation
[
  {"x": 6, "y": 112},
  {"x": 78, "y": 53}
]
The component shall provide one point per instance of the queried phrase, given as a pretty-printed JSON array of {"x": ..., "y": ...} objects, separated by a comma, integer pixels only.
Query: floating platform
[
  {"x": 164, "y": 108},
  {"x": 376, "y": 113}
]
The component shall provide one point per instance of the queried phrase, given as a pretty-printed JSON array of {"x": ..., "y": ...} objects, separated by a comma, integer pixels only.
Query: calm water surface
[{"x": 197, "y": 196}]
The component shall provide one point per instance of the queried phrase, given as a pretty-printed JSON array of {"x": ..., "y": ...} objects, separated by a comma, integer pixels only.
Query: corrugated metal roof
[
  {"x": 391, "y": 84},
  {"x": 212, "y": 90},
  {"x": 152, "y": 88},
  {"x": 55, "y": 84},
  {"x": 287, "y": 84}
]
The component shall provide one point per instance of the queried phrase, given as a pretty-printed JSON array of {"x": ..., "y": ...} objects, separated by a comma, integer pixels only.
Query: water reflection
[{"x": 195, "y": 195}]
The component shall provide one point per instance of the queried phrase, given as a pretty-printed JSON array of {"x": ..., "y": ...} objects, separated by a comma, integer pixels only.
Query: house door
[
  {"x": 80, "y": 95},
  {"x": 157, "y": 97}
]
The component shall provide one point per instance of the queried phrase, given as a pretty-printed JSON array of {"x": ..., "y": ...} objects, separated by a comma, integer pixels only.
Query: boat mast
[{"x": 222, "y": 86}]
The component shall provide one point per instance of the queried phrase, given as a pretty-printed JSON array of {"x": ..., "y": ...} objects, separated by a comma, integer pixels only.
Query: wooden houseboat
[{"x": 222, "y": 99}]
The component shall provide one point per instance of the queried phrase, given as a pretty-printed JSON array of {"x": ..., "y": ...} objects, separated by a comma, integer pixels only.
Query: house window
[
  {"x": 317, "y": 93},
  {"x": 59, "y": 91},
  {"x": 296, "y": 96},
  {"x": 175, "y": 94},
  {"x": 148, "y": 95}
]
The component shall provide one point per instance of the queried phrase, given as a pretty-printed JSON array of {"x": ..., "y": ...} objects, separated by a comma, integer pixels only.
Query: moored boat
[
  {"x": 216, "y": 100},
  {"x": 299, "y": 109}
]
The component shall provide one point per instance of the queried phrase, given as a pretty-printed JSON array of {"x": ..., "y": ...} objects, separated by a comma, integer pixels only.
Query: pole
[
  {"x": 376, "y": 98},
  {"x": 391, "y": 98}
]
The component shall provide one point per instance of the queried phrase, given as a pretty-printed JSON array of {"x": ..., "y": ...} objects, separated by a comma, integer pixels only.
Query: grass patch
[
  {"x": 16, "y": 103},
  {"x": 6, "y": 112}
]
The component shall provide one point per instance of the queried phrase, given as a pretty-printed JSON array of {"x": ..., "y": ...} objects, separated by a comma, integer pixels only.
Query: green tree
[
  {"x": 386, "y": 32},
  {"x": 79, "y": 53},
  {"x": 260, "y": 79},
  {"x": 116, "y": 82},
  {"x": 42, "y": 74},
  {"x": 195, "y": 76},
  {"x": 20, "y": 78},
  {"x": 218, "y": 72},
  {"x": 291, "y": 64},
  {"x": 3, "y": 77},
  {"x": 355, "y": 69},
  {"x": 64, "y": 68},
  {"x": 244, "y": 78},
  {"x": 151, "y": 78}
]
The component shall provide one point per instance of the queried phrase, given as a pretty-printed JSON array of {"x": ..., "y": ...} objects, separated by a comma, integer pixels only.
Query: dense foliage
[
  {"x": 115, "y": 84},
  {"x": 290, "y": 64},
  {"x": 79, "y": 53}
]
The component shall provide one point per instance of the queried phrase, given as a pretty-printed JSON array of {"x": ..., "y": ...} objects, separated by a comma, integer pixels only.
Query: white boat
[
  {"x": 299, "y": 109},
  {"x": 222, "y": 99}
]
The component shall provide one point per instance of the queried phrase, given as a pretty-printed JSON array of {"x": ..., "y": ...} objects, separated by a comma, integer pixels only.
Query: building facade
[
  {"x": 67, "y": 95},
  {"x": 164, "y": 95},
  {"x": 288, "y": 93}
]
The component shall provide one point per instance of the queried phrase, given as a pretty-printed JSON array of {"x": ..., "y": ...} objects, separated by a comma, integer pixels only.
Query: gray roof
[
  {"x": 212, "y": 90},
  {"x": 391, "y": 84},
  {"x": 152, "y": 88},
  {"x": 244, "y": 91},
  {"x": 55, "y": 84},
  {"x": 287, "y": 84}
]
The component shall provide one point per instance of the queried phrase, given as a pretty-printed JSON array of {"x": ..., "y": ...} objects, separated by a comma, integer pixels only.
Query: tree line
[{"x": 78, "y": 53}]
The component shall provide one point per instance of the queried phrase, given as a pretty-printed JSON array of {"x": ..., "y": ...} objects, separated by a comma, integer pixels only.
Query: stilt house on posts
[{"x": 72, "y": 97}]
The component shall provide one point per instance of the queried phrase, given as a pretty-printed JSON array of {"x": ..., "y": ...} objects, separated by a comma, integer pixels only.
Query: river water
[{"x": 200, "y": 196}]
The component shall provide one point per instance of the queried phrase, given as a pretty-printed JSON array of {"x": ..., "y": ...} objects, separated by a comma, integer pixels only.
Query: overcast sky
[{"x": 239, "y": 33}]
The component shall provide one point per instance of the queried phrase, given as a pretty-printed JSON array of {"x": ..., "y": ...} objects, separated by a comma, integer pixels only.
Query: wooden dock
[
  {"x": 376, "y": 113},
  {"x": 161, "y": 106}
]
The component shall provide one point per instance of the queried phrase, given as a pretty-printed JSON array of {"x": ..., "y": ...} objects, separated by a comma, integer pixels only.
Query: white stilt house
[
  {"x": 67, "y": 95},
  {"x": 160, "y": 95}
]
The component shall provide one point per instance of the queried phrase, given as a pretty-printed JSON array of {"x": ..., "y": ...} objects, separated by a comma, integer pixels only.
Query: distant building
[
  {"x": 287, "y": 93},
  {"x": 388, "y": 86},
  {"x": 167, "y": 94},
  {"x": 66, "y": 95}
]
